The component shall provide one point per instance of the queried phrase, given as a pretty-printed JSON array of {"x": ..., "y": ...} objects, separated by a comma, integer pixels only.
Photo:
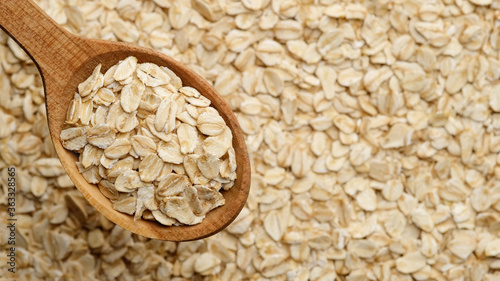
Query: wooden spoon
[{"x": 65, "y": 60}]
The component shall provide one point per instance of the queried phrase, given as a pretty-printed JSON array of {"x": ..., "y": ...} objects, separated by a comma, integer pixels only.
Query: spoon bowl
[{"x": 65, "y": 60}]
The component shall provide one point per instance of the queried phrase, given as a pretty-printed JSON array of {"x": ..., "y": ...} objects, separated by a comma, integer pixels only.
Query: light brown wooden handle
[{"x": 45, "y": 41}]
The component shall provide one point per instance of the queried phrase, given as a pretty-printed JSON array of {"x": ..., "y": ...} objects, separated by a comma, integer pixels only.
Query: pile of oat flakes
[
  {"x": 373, "y": 128},
  {"x": 156, "y": 149}
]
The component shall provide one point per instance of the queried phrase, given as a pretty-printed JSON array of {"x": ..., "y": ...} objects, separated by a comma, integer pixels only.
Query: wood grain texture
[{"x": 64, "y": 60}]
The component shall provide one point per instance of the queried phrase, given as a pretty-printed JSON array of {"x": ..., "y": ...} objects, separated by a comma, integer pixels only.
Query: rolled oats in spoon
[{"x": 156, "y": 149}]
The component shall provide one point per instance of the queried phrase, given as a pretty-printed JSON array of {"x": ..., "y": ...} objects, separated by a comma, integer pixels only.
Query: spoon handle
[{"x": 50, "y": 46}]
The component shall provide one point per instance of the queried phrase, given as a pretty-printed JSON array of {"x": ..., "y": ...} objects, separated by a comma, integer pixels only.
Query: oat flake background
[{"x": 373, "y": 129}]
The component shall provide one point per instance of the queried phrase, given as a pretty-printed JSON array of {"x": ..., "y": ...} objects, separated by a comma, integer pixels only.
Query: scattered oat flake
[{"x": 410, "y": 262}]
